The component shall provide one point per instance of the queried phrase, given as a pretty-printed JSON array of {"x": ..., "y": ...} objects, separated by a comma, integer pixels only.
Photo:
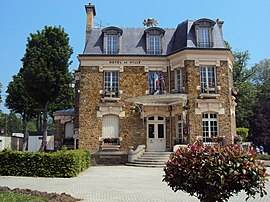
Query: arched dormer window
[
  {"x": 203, "y": 28},
  {"x": 153, "y": 40},
  {"x": 111, "y": 40}
]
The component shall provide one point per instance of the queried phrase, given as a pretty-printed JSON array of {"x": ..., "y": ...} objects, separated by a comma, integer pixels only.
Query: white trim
[
  {"x": 212, "y": 105},
  {"x": 207, "y": 62},
  {"x": 107, "y": 109},
  {"x": 155, "y": 68},
  {"x": 111, "y": 68}
]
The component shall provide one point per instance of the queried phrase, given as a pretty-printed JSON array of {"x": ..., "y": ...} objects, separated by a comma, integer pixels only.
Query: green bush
[
  {"x": 215, "y": 173},
  {"x": 243, "y": 133},
  {"x": 57, "y": 164}
]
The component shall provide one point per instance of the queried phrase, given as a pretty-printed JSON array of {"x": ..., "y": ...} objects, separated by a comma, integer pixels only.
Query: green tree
[
  {"x": 246, "y": 91},
  {"x": 14, "y": 123},
  {"x": 20, "y": 102},
  {"x": 259, "y": 124},
  {"x": 45, "y": 69}
]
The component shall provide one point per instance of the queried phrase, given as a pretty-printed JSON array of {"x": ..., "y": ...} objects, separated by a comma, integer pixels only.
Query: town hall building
[{"x": 153, "y": 86}]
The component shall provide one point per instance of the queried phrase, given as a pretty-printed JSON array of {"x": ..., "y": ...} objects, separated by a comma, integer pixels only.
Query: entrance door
[{"x": 156, "y": 135}]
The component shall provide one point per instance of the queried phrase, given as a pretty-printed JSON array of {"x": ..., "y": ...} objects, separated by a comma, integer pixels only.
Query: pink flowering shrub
[{"x": 215, "y": 173}]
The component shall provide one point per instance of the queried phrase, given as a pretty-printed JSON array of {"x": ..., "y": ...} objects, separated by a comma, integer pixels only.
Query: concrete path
[{"x": 114, "y": 183}]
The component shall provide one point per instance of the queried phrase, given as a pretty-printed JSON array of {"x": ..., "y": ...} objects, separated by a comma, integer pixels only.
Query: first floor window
[
  {"x": 110, "y": 126},
  {"x": 178, "y": 81},
  {"x": 210, "y": 126},
  {"x": 208, "y": 79},
  {"x": 156, "y": 83},
  {"x": 111, "y": 84}
]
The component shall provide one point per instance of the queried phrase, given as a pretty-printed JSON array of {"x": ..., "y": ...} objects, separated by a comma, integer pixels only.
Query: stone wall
[
  {"x": 59, "y": 131},
  {"x": 90, "y": 126},
  {"x": 195, "y": 120},
  {"x": 193, "y": 80},
  {"x": 223, "y": 76},
  {"x": 133, "y": 82}
]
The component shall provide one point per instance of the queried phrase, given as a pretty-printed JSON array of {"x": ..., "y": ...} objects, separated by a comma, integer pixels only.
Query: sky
[{"x": 246, "y": 24}]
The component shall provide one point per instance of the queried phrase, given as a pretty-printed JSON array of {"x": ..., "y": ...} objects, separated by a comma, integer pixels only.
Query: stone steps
[{"x": 151, "y": 159}]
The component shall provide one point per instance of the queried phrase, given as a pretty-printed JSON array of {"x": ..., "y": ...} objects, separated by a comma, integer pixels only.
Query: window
[
  {"x": 210, "y": 126},
  {"x": 112, "y": 44},
  {"x": 154, "y": 47},
  {"x": 110, "y": 126},
  {"x": 208, "y": 80},
  {"x": 111, "y": 84},
  {"x": 203, "y": 29},
  {"x": 156, "y": 83},
  {"x": 179, "y": 130},
  {"x": 153, "y": 40},
  {"x": 204, "y": 38},
  {"x": 178, "y": 81},
  {"x": 111, "y": 40}
]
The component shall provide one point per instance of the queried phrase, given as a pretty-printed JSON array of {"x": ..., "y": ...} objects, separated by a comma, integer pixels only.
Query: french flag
[{"x": 156, "y": 81}]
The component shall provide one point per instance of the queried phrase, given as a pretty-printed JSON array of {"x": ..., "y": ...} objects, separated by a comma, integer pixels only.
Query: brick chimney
[{"x": 90, "y": 13}]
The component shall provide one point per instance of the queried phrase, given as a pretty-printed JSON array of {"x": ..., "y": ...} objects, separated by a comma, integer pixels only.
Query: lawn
[{"x": 17, "y": 197}]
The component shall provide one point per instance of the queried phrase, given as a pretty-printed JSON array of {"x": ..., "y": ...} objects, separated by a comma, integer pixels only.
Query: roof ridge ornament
[{"x": 150, "y": 22}]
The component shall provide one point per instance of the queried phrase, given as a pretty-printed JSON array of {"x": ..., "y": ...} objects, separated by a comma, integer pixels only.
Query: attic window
[
  {"x": 154, "y": 40},
  {"x": 203, "y": 29},
  {"x": 111, "y": 40}
]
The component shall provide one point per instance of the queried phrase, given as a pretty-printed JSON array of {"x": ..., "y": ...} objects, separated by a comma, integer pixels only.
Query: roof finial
[{"x": 150, "y": 22}]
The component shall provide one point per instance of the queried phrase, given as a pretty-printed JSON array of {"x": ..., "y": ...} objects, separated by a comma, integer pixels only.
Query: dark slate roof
[{"x": 133, "y": 40}]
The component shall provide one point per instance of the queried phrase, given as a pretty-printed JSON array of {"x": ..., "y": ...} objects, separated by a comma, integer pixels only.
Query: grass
[{"x": 17, "y": 197}]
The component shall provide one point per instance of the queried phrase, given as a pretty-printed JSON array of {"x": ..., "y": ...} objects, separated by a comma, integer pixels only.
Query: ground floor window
[
  {"x": 110, "y": 126},
  {"x": 179, "y": 130},
  {"x": 210, "y": 126}
]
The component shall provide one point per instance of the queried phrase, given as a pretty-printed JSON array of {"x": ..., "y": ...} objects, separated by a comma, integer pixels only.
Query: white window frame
[
  {"x": 204, "y": 37},
  {"x": 111, "y": 84},
  {"x": 110, "y": 126},
  {"x": 154, "y": 44},
  {"x": 208, "y": 129},
  {"x": 178, "y": 81},
  {"x": 112, "y": 44},
  {"x": 208, "y": 79},
  {"x": 179, "y": 133}
]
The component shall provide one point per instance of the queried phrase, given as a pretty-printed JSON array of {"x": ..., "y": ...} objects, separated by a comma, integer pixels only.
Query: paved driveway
[{"x": 113, "y": 183}]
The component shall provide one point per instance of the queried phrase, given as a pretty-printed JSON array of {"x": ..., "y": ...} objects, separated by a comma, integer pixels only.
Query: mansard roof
[{"x": 133, "y": 40}]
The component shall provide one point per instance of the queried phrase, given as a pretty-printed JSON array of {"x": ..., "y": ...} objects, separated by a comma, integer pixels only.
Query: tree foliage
[
  {"x": 260, "y": 124},
  {"x": 20, "y": 102},
  {"x": 45, "y": 70},
  {"x": 246, "y": 91},
  {"x": 10, "y": 123}
]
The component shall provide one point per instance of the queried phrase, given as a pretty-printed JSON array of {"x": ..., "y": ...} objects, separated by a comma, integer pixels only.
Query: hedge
[{"x": 37, "y": 164}]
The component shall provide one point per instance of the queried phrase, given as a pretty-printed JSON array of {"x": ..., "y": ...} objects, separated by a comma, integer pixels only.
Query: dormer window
[
  {"x": 154, "y": 40},
  {"x": 204, "y": 40},
  {"x": 111, "y": 40},
  {"x": 203, "y": 29},
  {"x": 154, "y": 45}
]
